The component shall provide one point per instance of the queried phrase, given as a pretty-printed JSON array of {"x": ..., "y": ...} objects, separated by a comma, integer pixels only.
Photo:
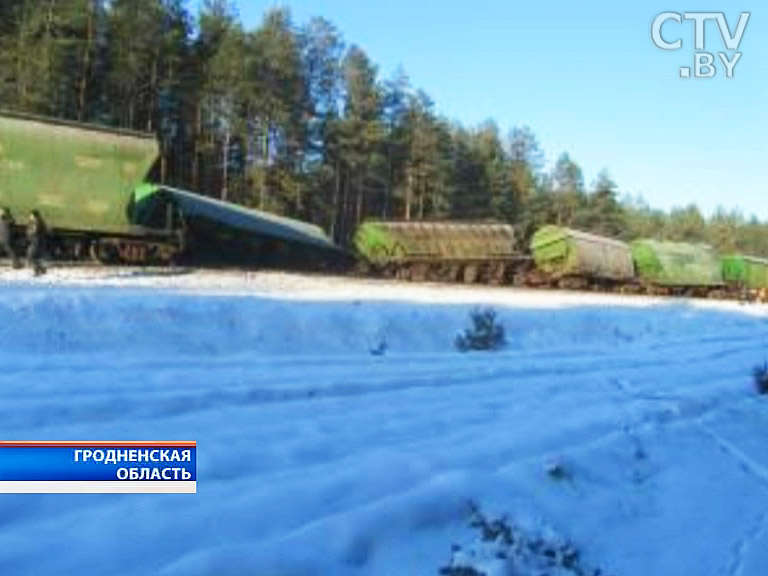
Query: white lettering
[
  {"x": 729, "y": 64},
  {"x": 732, "y": 41},
  {"x": 656, "y": 36},
  {"x": 699, "y": 30},
  {"x": 703, "y": 61}
]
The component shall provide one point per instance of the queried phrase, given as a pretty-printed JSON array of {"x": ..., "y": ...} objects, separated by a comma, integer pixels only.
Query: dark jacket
[{"x": 6, "y": 225}]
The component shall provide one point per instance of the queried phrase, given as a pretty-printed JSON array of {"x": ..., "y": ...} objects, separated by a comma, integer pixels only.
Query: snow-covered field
[{"x": 628, "y": 426}]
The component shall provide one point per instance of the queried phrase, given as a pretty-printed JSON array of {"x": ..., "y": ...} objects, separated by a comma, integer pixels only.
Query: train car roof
[
  {"x": 78, "y": 125},
  {"x": 553, "y": 233},
  {"x": 249, "y": 219}
]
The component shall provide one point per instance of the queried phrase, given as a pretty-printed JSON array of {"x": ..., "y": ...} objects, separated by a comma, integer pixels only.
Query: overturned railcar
[
  {"x": 217, "y": 232},
  {"x": 92, "y": 186}
]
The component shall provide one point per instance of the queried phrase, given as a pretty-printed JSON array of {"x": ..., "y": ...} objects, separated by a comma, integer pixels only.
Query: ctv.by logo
[{"x": 704, "y": 63}]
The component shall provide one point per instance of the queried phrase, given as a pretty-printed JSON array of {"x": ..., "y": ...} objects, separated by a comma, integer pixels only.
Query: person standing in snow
[
  {"x": 36, "y": 234},
  {"x": 6, "y": 236}
]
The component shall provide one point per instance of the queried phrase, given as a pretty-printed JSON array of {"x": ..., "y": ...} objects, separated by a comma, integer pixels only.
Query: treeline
[{"x": 294, "y": 120}]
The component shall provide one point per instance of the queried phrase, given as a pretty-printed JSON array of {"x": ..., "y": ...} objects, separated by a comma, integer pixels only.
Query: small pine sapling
[
  {"x": 760, "y": 377},
  {"x": 486, "y": 332}
]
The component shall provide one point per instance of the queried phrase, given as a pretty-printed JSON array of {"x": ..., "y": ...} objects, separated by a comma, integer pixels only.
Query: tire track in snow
[
  {"x": 179, "y": 400},
  {"x": 245, "y": 396},
  {"x": 755, "y": 469},
  {"x": 442, "y": 374},
  {"x": 748, "y": 464},
  {"x": 737, "y": 564}
]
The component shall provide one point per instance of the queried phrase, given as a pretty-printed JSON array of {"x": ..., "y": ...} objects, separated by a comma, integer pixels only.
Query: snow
[{"x": 316, "y": 456}]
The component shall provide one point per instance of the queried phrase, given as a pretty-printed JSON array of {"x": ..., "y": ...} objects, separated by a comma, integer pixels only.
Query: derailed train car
[
  {"x": 452, "y": 251},
  {"x": 677, "y": 264},
  {"x": 557, "y": 256},
  {"x": 217, "y": 232},
  {"x": 90, "y": 184},
  {"x": 573, "y": 258},
  {"x": 747, "y": 273}
]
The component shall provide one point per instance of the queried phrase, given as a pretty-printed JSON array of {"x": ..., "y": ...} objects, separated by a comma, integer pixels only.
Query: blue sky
[{"x": 587, "y": 79}]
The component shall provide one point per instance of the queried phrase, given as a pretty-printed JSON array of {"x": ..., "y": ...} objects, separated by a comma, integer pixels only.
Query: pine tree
[
  {"x": 568, "y": 193},
  {"x": 277, "y": 112},
  {"x": 604, "y": 215},
  {"x": 361, "y": 134},
  {"x": 322, "y": 51}
]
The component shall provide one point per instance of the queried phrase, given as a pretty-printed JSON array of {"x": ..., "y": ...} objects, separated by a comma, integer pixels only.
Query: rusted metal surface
[{"x": 383, "y": 242}]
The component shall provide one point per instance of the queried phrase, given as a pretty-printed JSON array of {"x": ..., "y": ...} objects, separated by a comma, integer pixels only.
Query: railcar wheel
[
  {"x": 94, "y": 252},
  {"x": 419, "y": 272},
  {"x": 454, "y": 272},
  {"x": 104, "y": 253},
  {"x": 497, "y": 273}
]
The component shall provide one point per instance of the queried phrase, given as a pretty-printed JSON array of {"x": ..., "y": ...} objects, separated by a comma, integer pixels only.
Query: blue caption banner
[{"x": 100, "y": 466}]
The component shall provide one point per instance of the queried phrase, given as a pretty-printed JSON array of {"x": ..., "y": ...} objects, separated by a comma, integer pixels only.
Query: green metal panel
[
  {"x": 560, "y": 251},
  {"x": 734, "y": 269},
  {"x": 677, "y": 263},
  {"x": 383, "y": 242},
  {"x": 79, "y": 176},
  {"x": 757, "y": 272},
  {"x": 745, "y": 271}
]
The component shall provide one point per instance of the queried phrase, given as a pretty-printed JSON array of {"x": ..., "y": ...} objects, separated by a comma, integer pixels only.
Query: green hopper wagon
[
  {"x": 745, "y": 271},
  {"x": 444, "y": 250},
  {"x": 230, "y": 232},
  {"x": 383, "y": 242},
  {"x": 561, "y": 252},
  {"x": 676, "y": 264},
  {"x": 82, "y": 180}
]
